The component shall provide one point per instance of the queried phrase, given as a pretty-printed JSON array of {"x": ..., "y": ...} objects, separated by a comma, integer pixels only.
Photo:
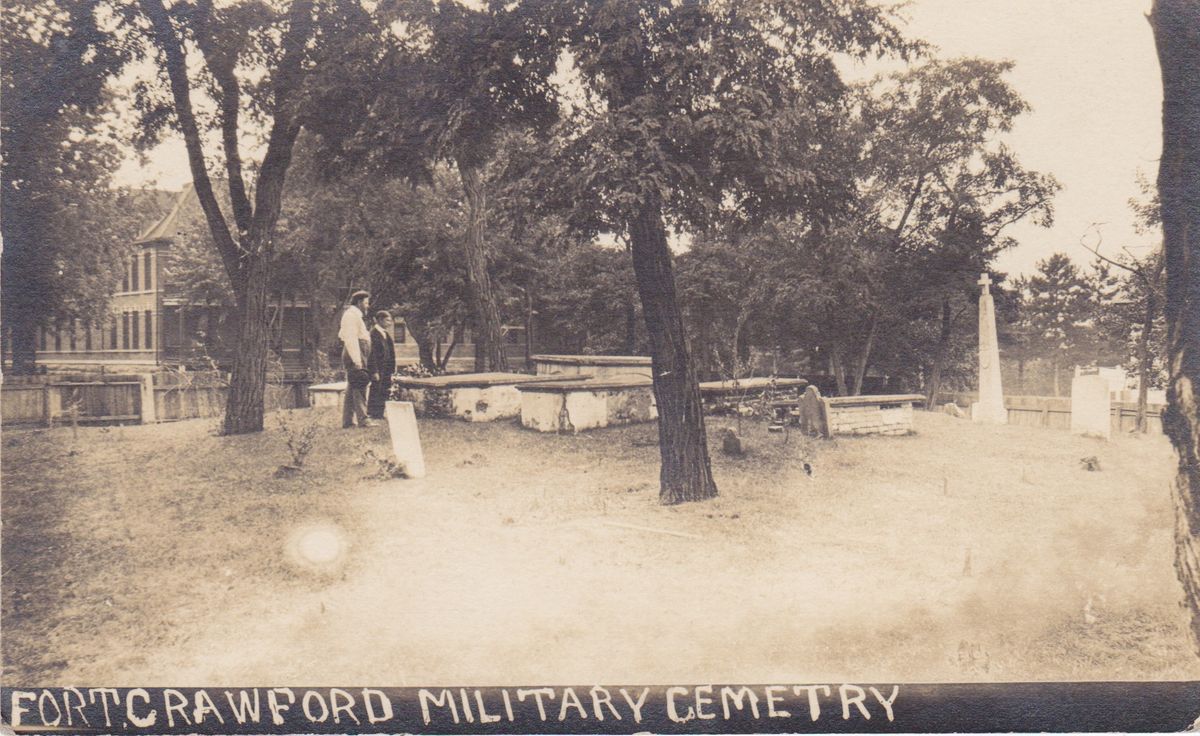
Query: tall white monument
[{"x": 990, "y": 407}]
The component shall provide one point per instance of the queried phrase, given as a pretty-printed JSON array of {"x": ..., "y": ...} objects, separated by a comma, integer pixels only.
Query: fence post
[{"x": 147, "y": 409}]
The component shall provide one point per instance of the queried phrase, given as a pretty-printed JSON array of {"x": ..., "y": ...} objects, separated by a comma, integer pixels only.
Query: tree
[
  {"x": 1176, "y": 26},
  {"x": 944, "y": 188},
  {"x": 692, "y": 112},
  {"x": 398, "y": 241},
  {"x": 234, "y": 42},
  {"x": 447, "y": 88},
  {"x": 1056, "y": 311},
  {"x": 64, "y": 229}
]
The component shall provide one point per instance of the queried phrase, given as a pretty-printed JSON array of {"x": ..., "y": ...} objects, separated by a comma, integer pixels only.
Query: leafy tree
[
  {"x": 1134, "y": 316},
  {"x": 693, "y": 113},
  {"x": 237, "y": 43},
  {"x": 946, "y": 190},
  {"x": 1176, "y": 25},
  {"x": 398, "y": 241},
  {"x": 64, "y": 229},
  {"x": 447, "y": 88},
  {"x": 1056, "y": 315},
  {"x": 587, "y": 302}
]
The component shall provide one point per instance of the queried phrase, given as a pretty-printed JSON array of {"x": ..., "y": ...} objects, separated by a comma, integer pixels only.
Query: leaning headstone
[
  {"x": 1091, "y": 409},
  {"x": 813, "y": 418},
  {"x": 952, "y": 409},
  {"x": 731, "y": 444},
  {"x": 406, "y": 443},
  {"x": 990, "y": 407}
]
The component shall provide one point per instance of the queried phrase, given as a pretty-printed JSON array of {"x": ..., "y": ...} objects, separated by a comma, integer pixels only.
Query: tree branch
[
  {"x": 172, "y": 48},
  {"x": 221, "y": 64},
  {"x": 286, "y": 125}
]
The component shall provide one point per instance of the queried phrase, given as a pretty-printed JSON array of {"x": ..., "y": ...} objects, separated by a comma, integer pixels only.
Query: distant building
[{"x": 151, "y": 322}]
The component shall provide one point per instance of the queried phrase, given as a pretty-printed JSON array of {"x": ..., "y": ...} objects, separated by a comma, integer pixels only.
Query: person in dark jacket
[{"x": 382, "y": 364}]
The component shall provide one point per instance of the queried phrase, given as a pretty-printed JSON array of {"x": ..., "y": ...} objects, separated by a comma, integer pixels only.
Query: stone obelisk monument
[{"x": 990, "y": 407}]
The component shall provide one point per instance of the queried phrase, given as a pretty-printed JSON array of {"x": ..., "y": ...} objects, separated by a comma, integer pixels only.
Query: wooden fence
[
  {"x": 48, "y": 400},
  {"x": 1054, "y": 412}
]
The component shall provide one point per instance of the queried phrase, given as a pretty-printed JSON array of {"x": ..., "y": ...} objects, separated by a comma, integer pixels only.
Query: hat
[{"x": 356, "y": 296}]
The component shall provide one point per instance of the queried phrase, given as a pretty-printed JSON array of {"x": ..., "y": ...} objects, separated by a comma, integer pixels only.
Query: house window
[
  {"x": 74, "y": 330},
  {"x": 133, "y": 273},
  {"x": 87, "y": 337},
  {"x": 57, "y": 339},
  {"x": 147, "y": 270},
  {"x": 124, "y": 330},
  {"x": 41, "y": 338},
  {"x": 400, "y": 333},
  {"x": 133, "y": 328},
  {"x": 112, "y": 333},
  {"x": 149, "y": 329}
]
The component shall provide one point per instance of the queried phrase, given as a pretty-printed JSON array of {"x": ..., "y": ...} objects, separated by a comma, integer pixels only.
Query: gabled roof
[{"x": 167, "y": 227}]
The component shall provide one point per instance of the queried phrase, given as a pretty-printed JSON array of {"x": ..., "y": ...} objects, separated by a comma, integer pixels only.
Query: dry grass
[{"x": 165, "y": 555}]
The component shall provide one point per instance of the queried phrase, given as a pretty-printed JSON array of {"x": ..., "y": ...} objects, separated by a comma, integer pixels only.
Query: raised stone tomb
[
  {"x": 586, "y": 403},
  {"x": 888, "y": 414},
  {"x": 596, "y": 366},
  {"x": 326, "y": 394},
  {"x": 475, "y": 397}
]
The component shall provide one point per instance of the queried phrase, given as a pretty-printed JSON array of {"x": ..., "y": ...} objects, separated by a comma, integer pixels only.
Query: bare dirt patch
[{"x": 165, "y": 555}]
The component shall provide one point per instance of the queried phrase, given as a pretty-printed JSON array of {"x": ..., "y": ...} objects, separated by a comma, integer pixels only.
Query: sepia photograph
[{"x": 599, "y": 366}]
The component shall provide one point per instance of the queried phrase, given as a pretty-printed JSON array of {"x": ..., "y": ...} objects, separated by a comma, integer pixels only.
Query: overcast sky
[{"x": 1087, "y": 67}]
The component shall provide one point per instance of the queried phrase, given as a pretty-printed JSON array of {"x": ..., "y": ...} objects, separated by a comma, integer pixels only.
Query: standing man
[
  {"x": 382, "y": 363},
  {"x": 356, "y": 350}
]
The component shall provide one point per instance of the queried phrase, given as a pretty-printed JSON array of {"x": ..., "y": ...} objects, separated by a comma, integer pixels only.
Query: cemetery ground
[{"x": 163, "y": 555}]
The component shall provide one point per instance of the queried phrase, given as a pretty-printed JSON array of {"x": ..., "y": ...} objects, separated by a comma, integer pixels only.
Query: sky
[{"x": 1088, "y": 69}]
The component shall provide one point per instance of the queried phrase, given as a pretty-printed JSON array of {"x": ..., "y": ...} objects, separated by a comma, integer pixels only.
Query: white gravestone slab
[
  {"x": 1091, "y": 410},
  {"x": 406, "y": 443},
  {"x": 990, "y": 407}
]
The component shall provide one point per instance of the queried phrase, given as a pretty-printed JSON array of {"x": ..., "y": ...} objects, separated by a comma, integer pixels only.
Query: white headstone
[
  {"x": 1091, "y": 411},
  {"x": 406, "y": 443},
  {"x": 990, "y": 407}
]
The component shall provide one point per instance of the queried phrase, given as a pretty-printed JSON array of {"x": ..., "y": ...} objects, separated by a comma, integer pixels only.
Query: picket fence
[
  {"x": 1054, "y": 412},
  {"x": 110, "y": 398}
]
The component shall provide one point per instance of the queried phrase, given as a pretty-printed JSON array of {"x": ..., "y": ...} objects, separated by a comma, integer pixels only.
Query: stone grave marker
[
  {"x": 406, "y": 442},
  {"x": 1091, "y": 410},
  {"x": 813, "y": 419},
  {"x": 990, "y": 407}
]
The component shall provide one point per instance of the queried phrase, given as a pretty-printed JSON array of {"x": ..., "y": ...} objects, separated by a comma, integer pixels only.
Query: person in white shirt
[{"x": 356, "y": 347}]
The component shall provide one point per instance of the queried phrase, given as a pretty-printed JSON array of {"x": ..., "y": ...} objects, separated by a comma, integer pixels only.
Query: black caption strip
[{"x": 774, "y": 708}]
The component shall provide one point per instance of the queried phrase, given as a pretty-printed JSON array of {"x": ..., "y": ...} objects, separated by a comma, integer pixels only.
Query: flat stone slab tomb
[
  {"x": 475, "y": 397},
  {"x": 589, "y": 403},
  {"x": 326, "y": 394},
  {"x": 752, "y": 386},
  {"x": 597, "y": 366},
  {"x": 890, "y": 414}
]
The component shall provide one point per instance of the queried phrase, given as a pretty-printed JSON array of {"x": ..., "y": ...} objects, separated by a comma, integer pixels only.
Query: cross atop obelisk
[{"x": 990, "y": 407}]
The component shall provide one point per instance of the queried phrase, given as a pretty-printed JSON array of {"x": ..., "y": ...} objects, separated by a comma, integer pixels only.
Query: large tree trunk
[
  {"x": 630, "y": 326},
  {"x": 1145, "y": 360},
  {"x": 939, "y": 358},
  {"x": 686, "y": 472},
  {"x": 247, "y": 384},
  {"x": 489, "y": 337},
  {"x": 864, "y": 358},
  {"x": 1176, "y": 26},
  {"x": 25, "y": 267},
  {"x": 838, "y": 365}
]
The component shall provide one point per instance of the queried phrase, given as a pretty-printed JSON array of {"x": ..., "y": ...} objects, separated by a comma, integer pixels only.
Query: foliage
[
  {"x": 65, "y": 231},
  {"x": 1059, "y": 317},
  {"x": 300, "y": 433}
]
